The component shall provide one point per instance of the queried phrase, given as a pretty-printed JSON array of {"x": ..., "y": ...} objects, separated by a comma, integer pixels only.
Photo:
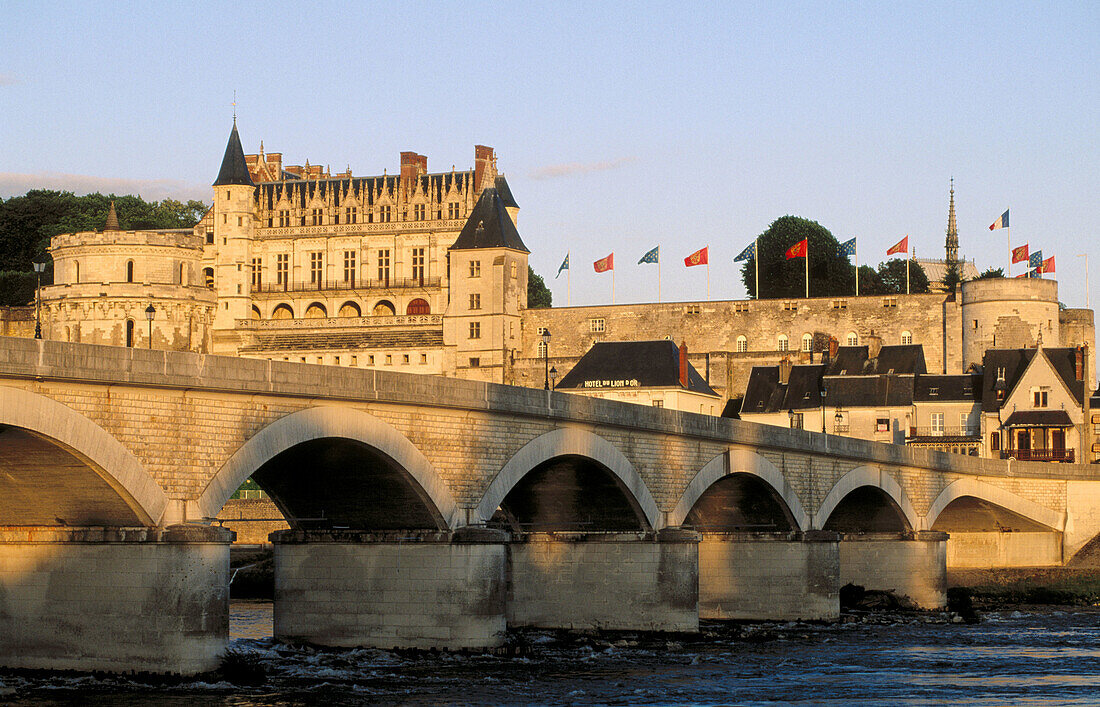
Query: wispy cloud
[
  {"x": 8, "y": 79},
  {"x": 14, "y": 184},
  {"x": 569, "y": 169}
]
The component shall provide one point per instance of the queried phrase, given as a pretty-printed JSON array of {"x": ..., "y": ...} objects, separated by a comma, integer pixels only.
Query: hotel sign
[{"x": 624, "y": 383}]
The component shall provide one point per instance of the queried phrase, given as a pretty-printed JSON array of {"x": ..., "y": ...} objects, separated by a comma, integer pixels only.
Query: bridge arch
[
  {"x": 566, "y": 442},
  {"x": 961, "y": 488},
  {"x": 866, "y": 476},
  {"x": 739, "y": 461},
  {"x": 327, "y": 422},
  {"x": 99, "y": 481}
]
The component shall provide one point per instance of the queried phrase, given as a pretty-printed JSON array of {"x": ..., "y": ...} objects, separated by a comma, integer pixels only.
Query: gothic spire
[
  {"x": 234, "y": 169},
  {"x": 952, "y": 245}
]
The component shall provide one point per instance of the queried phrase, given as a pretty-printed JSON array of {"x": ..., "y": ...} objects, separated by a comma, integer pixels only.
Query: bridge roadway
[{"x": 437, "y": 512}]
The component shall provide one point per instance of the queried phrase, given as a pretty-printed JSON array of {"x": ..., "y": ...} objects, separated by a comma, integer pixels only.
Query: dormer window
[{"x": 933, "y": 392}]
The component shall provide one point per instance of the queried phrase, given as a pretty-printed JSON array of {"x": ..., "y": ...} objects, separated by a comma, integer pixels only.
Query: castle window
[
  {"x": 351, "y": 214},
  {"x": 384, "y": 308},
  {"x": 336, "y": 218},
  {"x": 208, "y": 275},
  {"x": 840, "y": 304},
  {"x": 404, "y": 358},
  {"x": 692, "y": 309},
  {"x": 740, "y": 307},
  {"x": 423, "y": 358},
  {"x": 130, "y": 271},
  {"x": 418, "y": 306},
  {"x": 354, "y": 361},
  {"x": 384, "y": 214},
  {"x": 658, "y": 403},
  {"x": 541, "y": 349},
  {"x": 933, "y": 392},
  {"x": 418, "y": 264},
  {"x": 475, "y": 301},
  {"x": 475, "y": 330},
  {"x": 853, "y": 339},
  {"x": 389, "y": 359},
  {"x": 1039, "y": 397},
  {"x": 284, "y": 219},
  {"x": 76, "y": 263},
  {"x": 889, "y": 301},
  {"x": 995, "y": 441},
  {"x": 370, "y": 360},
  {"x": 129, "y": 332},
  {"x": 316, "y": 263},
  {"x": 539, "y": 331},
  {"x": 183, "y": 274},
  {"x": 784, "y": 343},
  {"x": 418, "y": 212},
  {"x": 790, "y": 306},
  {"x": 452, "y": 210},
  {"x": 384, "y": 266},
  {"x": 742, "y": 344},
  {"x": 906, "y": 338},
  {"x": 317, "y": 216},
  {"x": 475, "y": 363},
  {"x": 210, "y": 237},
  {"x": 283, "y": 311},
  {"x": 282, "y": 269},
  {"x": 349, "y": 267},
  {"x": 597, "y": 326},
  {"x": 475, "y": 268},
  {"x": 256, "y": 315},
  {"x": 240, "y": 220},
  {"x": 515, "y": 271},
  {"x": 349, "y": 309},
  {"x": 316, "y": 311},
  {"x": 270, "y": 223},
  {"x": 256, "y": 274},
  {"x": 807, "y": 343}
]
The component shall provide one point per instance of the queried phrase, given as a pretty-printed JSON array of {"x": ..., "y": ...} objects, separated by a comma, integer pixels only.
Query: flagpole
[
  {"x": 807, "y": 268},
  {"x": 907, "y": 261},
  {"x": 568, "y": 285},
  {"x": 1009, "y": 239},
  {"x": 612, "y": 285},
  {"x": 756, "y": 263},
  {"x": 856, "y": 249},
  {"x": 708, "y": 277},
  {"x": 658, "y": 277}
]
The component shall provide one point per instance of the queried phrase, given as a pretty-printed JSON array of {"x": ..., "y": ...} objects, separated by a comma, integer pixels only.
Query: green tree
[
  {"x": 892, "y": 273},
  {"x": 538, "y": 295},
  {"x": 870, "y": 282},
  {"x": 991, "y": 273},
  {"x": 830, "y": 273},
  {"x": 951, "y": 278}
]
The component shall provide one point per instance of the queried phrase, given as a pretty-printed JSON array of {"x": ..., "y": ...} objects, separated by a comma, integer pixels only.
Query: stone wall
[
  {"x": 1015, "y": 549},
  {"x": 263, "y": 516},
  {"x": 915, "y": 568},
  {"x": 17, "y": 321}
]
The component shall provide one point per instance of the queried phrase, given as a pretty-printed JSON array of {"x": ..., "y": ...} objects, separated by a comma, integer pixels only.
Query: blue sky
[{"x": 619, "y": 126}]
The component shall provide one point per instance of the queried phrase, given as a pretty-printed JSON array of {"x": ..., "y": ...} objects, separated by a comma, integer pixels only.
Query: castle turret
[
  {"x": 952, "y": 244},
  {"x": 234, "y": 216}
]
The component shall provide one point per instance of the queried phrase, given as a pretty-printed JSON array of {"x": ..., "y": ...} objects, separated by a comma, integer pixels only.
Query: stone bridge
[{"x": 429, "y": 511}]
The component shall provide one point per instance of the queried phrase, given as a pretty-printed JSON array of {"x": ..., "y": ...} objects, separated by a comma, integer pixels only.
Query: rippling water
[{"x": 1018, "y": 658}]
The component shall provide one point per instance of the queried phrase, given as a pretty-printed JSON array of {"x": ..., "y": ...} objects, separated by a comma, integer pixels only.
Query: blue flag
[
  {"x": 1035, "y": 260},
  {"x": 749, "y": 253},
  {"x": 847, "y": 248},
  {"x": 564, "y": 265},
  {"x": 651, "y": 256}
]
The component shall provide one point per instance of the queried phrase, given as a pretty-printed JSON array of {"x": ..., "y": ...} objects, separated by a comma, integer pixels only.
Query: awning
[{"x": 1038, "y": 418}]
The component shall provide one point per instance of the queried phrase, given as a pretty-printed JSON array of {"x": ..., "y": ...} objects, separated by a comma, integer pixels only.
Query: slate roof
[
  {"x": 764, "y": 393},
  {"x": 1015, "y": 362},
  {"x": 955, "y": 388},
  {"x": 654, "y": 364},
  {"x": 895, "y": 358},
  {"x": 869, "y": 391},
  {"x": 506, "y": 193},
  {"x": 489, "y": 226},
  {"x": 1038, "y": 418},
  {"x": 380, "y": 339},
  {"x": 234, "y": 169}
]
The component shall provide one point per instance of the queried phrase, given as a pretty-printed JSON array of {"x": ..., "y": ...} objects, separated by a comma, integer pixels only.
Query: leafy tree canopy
[
  {"x": 952, "y": 277},
  {"x": 991, "y": 273},
  {"x": 830, "y": 273},
  {"x": 538, "y": 295}
]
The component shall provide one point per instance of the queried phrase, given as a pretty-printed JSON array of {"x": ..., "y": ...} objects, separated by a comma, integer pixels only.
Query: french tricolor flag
[{"x": 1002, "y": 222}]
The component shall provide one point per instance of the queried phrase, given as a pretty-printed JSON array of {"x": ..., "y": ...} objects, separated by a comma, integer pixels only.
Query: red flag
[
  {"x": 1047, "y": 266},
  {"x": 1019, "y": 255},
  {"x": 605, "y": 264},
  {"x": 1022, "y": 274},
  {"x": 699, "y": 257},
  {"x": 798, "y": 250},
  {"x": 901, "y": 246}
]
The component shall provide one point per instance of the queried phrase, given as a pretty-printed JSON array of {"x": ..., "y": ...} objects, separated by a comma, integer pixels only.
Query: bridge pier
[
  {"x": 114, "y": 599},
  {"x": 392, "y": 589},
  {"x": 913, "y": 564},
  {"x": 769, "y": 576},
  {"x": 617, "y": 581}
]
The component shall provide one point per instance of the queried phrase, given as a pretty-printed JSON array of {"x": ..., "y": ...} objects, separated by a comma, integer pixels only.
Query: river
[{"x": 1022, "y": 658}]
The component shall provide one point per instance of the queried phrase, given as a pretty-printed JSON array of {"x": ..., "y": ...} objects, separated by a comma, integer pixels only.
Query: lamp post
[
  {"x": 824, "y": 392},
  {"x": 839, "y": 419},
  {"x": 38, "y": 269},
  {"x": 553, "y": 377},
  {"x": 546, "y": 356},
  {"x": 150, "y": 312},
  {"x": 790, "y": 414}
]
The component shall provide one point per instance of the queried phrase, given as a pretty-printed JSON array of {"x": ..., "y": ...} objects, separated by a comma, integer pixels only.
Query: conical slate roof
[
  {"x": 234, "y": 170},
  {"x": 489, "y": 226}
]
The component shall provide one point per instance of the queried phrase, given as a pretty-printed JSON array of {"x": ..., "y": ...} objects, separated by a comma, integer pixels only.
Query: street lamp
[
  {"x": 38, "y": 269},
  {"x": 546, "y": 356},
  {"x": 824, "y": 392},
  {"x": 839, "y": 419},
  {"x": 553, "y": 378},
  {"x": 150, "y": 312}
]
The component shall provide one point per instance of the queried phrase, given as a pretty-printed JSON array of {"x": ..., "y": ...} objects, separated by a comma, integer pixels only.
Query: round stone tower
[{"x": 1003, "y": 313}]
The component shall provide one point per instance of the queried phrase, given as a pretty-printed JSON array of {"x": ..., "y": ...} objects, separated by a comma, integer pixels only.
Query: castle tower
[
  {"x": 234, "y": 221},
  {"x": 952, "y": 245},
  {"x": 488, "y": 288}
]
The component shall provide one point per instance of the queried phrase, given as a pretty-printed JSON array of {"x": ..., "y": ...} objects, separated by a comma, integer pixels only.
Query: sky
[{"x": 620, "y": 126}]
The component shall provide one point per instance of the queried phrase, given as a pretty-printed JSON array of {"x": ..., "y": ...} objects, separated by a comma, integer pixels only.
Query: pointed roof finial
[
  {"x": 234, "y": 107},
  {"x": 112, "y": 219},
  {"x": 952, "y": 243}
]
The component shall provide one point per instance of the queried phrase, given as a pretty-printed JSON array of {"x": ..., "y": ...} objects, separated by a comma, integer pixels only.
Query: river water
[{"x": 1022, "y": 658}]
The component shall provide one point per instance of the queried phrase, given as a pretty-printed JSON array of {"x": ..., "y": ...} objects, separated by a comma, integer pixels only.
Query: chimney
[
  {"x": 1079, "y": 363},
  {"x": 412, "y": 166},
  {"x": 833, "y": 346},
  {"x": 683, "y": 365},
  {"x": 874, "y": 345},
  {"x": 784, "y": 370},
  {"x": 484, "y": 168}
]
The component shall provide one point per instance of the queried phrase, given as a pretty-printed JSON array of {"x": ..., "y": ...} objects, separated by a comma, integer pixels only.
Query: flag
[
  {"x": 651, "y": 257},
  {"x": 798, "y": 250},
  {"x": 1002, "y": 222},
  {"x": 901, "y": 246},
  {"x": 564, "y": 265},
  {"x": 605, "y": 264},
  {"x": 1019, "y": 255},
  {"x": 1047, "y": 266},
  {"x": 847, "y": 248},
  {"x": 1023, "y": 274},
  {"x": 699, "y": 257},
  {"x": 1035, "y": 260},
  {"x": 749, "y": 253}
]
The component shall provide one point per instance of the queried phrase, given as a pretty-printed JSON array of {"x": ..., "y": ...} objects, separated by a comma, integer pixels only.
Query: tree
[
  {"x": 538, "y": 295},
  {"x": 892, "y": 273},
  {"x": 951, "y": 278},
  {"x": 991, "y": 273},
  {"x": 870, "y": 282},
  {"x": 830, "y": 273}
]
